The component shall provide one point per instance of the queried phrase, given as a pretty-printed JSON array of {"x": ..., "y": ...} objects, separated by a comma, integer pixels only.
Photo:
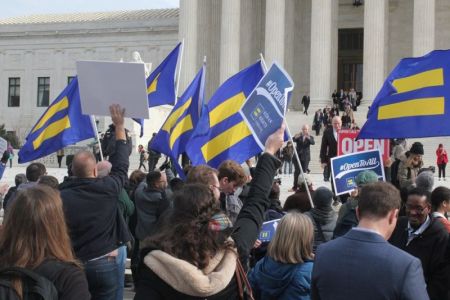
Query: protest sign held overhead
[
  {"x": 3, "y": 146},
  {"x": 105, "y": 83},
  {"x": 265, "y": 108}
]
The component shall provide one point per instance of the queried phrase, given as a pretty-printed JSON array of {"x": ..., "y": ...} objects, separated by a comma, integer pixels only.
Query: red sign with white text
[{"x": 347, "y": 144}]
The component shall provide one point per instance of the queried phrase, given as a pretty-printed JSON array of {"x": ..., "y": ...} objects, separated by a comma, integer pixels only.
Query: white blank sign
[
  {"x": 104, "y": 83},
  {"x": 3, "y": 146}
]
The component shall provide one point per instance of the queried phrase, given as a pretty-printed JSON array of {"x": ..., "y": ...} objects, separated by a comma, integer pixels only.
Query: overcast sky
[{"x": 14, "y": 8}]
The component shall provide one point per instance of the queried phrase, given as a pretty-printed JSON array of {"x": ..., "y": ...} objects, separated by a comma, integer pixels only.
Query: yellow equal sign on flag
[
  {"x": 230, "y": 136},
  {"x": 416, "y": 106}
]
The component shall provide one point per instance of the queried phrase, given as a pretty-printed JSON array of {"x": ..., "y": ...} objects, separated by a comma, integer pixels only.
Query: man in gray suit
[{"x": 362, "y": 264}]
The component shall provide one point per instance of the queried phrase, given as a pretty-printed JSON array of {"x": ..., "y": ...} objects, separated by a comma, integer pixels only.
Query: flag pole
[
  {"x": 179, "y": 70},
  {"x": 98, "y": 138},
  {"x": 263, "y": 61}
]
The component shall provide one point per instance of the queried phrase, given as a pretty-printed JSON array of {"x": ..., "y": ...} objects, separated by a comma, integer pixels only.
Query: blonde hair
[{"x": 293, "y": 240}]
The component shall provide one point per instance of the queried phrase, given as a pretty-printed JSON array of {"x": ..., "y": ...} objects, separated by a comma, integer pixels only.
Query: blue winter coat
[{"x": 274, "y": 280}]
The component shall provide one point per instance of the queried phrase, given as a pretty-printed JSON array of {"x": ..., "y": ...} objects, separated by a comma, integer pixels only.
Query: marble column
[
  {"x": 229, "y": 38},
  {"x": 251, "y": 32},
  {"x": 275, "y": 31},
  {"x": 188, "y": 31},
  {"x": 334, "y": 46},
  {"x": 321, "y": 50},
  {"x": 424, "y": 27},
  {"x": 375, "y": 47}
]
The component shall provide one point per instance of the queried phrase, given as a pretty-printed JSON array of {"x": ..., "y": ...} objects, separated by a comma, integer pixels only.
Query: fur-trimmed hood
[{"x": 190, "y": 280}]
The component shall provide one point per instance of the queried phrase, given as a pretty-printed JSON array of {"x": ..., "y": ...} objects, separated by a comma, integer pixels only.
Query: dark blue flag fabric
[
  {"x": 161, "y": 83},
  {"x": 413, "y": 100},
  {"x": 222, "y": 132},
  {"x": 181, "y": 122},
  {"x": 61, "y": 125}
]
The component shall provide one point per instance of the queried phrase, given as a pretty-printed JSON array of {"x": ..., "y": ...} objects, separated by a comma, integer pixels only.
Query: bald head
[
  {"x": 103, "y": 168},
  {"x": 337, "y": 123},
  {"x": 84, "y": 165},
  {"x": 305, "y": 129}
]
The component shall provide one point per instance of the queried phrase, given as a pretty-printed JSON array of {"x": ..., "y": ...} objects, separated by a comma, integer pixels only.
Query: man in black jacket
[
  {"x": 151, "y": 202},
  {"x": 90, "y": 205},
  {"x": 328, "y": 148},
  {"x": 303, "y": 140},
  {"x": 425, "y": 238}
]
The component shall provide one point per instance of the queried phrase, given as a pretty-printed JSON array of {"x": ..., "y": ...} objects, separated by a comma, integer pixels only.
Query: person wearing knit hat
[
  {"x": 425, "y": 181},
  {"x": 323, "y": 216},
  {"x": 365, "y": 177},
  {"x": 409, "y": 166},
  {"x": 347, "y": 218}
]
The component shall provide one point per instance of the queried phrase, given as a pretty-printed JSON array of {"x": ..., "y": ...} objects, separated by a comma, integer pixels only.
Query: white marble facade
[
  {"x": 300, "y": 34},
  {"x": 49, "y": 46}
]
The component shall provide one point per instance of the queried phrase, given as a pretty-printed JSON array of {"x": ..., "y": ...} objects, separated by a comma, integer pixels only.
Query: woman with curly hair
[{"x": 197, "y": 254}]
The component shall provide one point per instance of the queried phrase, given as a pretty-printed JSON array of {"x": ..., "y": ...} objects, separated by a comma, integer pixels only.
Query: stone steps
[{"x": 296, "y": 119}]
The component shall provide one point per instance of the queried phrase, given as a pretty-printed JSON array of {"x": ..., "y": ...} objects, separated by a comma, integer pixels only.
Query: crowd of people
[{"x": 198, "y": 238}]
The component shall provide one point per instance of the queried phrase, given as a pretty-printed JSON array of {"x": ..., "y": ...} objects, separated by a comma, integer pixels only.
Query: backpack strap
[
  {"x": 319, "y": 229},
  {"x": 20, "y": 272},
  {"x": 40, "y": 284},
  {"x": 49, "y": 267}
]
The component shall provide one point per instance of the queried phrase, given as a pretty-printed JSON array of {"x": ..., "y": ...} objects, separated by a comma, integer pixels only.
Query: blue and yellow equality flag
[
  {"x": 222, "y": 133},
  {"x": 61, "y": 125},
  {"x": 414, "y": 100},
  {"x": 179, "y": 125},
  {"x": 161, "y": 83}
]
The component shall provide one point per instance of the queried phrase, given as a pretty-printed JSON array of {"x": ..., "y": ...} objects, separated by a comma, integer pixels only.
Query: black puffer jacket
[{"x": 150, "y": 204}]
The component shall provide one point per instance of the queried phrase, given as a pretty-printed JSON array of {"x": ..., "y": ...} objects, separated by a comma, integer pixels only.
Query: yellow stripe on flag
[
  {"x": 225, "y": 140},
  {"x": 152, "y": 87},
  {"x": 412, "y": 108},
  {"x": 429, "y": 78},
  {"x": 52, "y": 110},
  {"x": 184, "y": 125},
  {"x": 226, "y": 109},
  {"x": 170, "y": 122},
  {"x": 51, "y": 130}
]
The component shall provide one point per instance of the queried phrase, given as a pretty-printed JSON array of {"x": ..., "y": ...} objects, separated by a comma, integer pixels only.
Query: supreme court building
[{"x": 324, "y": 45}]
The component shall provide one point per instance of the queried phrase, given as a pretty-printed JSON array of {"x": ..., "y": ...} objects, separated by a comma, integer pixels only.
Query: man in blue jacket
[
  {"x": 362, "y": 264},
  {"x": 90, "y": 204}
]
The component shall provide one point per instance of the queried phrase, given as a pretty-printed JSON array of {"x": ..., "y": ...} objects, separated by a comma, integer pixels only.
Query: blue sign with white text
[
  {"x": 345, "y": 168},
  {"x": 265, "y": 107},
  {"x": 268, "y": 230}
]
